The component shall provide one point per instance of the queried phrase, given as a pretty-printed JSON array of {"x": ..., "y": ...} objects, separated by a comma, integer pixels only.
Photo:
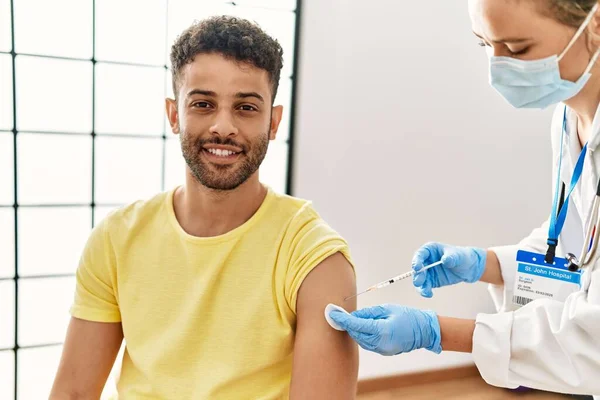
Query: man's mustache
[{"x": 200, "y": 143}]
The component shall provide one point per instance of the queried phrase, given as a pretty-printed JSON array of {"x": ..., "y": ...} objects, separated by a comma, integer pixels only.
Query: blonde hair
[{"x": 569, "y": 12}]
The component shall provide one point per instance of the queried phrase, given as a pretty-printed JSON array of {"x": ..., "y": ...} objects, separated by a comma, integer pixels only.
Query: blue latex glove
[
  {"x": 391, "y": 329},
  {"x": 459, "y": 264}
]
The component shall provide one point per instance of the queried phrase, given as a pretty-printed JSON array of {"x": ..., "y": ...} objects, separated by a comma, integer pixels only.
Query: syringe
[{"x": 395, "y": 279}]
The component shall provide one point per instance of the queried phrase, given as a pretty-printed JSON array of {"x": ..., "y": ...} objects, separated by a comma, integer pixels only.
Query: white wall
[{"x": 400, "y": 140}]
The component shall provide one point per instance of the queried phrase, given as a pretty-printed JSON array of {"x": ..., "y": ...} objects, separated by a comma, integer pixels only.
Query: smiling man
[{"x": 218, "y": 286}]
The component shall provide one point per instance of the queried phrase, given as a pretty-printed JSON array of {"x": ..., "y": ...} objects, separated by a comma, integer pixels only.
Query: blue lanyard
[{"x": 559, "y": 214}]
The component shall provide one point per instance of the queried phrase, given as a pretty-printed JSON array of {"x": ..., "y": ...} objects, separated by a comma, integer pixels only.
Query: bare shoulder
[
  {"x": 325, "y": 360},
  {"x": 332, "y": 280}
]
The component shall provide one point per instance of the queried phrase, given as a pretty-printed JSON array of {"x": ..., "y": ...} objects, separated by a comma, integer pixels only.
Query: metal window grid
[{"x": 15, "y": 206}]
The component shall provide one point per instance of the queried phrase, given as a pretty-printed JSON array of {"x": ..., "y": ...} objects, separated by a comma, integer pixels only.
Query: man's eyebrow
[
  {"x": 505, "y": 40},
  {"x": 242, "y": 95},
  {"x": 202, "y": 92}
]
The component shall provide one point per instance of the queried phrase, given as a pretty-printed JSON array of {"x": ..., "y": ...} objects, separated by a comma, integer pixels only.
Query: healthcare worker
[{"x": 547, "y": 288}]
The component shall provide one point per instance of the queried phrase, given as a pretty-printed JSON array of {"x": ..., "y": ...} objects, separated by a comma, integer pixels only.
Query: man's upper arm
[
  {"x": 95, "y": 291},
  {"x": 325, "y": 360},
  {"x": 88, "y": 355},
  {"x": 95, "y": 334}
]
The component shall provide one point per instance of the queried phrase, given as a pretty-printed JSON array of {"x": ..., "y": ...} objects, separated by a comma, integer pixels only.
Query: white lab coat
[{"x": 547, "y": 344}]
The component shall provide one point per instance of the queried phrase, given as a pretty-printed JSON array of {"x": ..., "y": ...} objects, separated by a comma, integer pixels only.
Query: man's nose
[{"x": 223, "y": 125}]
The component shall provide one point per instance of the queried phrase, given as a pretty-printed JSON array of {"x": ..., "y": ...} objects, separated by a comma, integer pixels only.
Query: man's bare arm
[
  {"x": 88, "y": 356},
  {"x": 325, "y": 360}
]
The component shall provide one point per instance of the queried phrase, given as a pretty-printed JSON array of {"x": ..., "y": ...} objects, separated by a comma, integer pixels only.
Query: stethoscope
[
  {"x": 590, "y": 242},
  {"x": 559, "y": 213}
]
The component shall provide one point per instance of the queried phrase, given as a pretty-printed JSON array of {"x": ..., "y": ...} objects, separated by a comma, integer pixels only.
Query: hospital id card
[{"x": 535, "y": 279}]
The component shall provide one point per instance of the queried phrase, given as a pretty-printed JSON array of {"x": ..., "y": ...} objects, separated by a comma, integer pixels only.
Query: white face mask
[{"x": 537, "y": 83}]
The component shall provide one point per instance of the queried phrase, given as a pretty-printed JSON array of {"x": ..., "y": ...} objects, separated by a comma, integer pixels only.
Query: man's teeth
[{"x": 222, "y": 153}]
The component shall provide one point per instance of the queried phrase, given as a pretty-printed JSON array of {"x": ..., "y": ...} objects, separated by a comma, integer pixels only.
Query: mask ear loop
[
  {"x": 579, "y": 32},
  {"x": 592, "y": 62}
]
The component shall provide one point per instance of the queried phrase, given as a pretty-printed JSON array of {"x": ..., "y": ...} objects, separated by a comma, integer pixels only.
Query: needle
[{"x": 394, "y": 279}]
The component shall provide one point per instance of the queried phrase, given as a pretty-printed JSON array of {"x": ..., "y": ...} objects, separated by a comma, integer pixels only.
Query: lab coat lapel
[
  {"x": 587, "y": 189},
  {"x": 571, "y": 150}
]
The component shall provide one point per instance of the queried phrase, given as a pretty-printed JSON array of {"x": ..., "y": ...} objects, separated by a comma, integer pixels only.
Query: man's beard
[{"x": 223, "y": 177}]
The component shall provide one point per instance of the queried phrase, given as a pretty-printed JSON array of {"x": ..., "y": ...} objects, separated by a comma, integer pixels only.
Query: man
[{"x": 219, "y": 286}]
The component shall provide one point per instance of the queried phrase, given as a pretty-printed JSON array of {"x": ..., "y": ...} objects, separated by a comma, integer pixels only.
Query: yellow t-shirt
[{"x": 203, "y": 318}]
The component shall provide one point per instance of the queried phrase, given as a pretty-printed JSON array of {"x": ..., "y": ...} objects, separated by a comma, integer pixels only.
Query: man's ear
[
  {"x": 171, "y": 106},
  {"x": 276, "y": 114}
]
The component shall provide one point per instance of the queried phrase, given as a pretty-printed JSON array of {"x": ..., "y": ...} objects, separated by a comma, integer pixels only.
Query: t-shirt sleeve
[
  {"x": 95, "y": 291},
  {"x": 311, "y": 241}
]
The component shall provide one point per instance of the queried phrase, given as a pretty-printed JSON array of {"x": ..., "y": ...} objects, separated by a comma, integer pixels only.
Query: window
[{"x": 73, "y": 146}]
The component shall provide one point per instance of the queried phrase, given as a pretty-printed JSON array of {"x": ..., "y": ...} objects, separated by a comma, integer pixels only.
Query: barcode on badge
[{"x": 521, "y": 300}]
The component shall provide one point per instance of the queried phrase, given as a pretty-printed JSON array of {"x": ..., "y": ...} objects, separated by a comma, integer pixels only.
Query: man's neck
[{"x": 205, "y": 212}]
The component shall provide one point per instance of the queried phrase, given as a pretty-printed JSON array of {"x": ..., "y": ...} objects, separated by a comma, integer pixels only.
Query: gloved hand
[
  {"x": 391, "y": 329},
  {"x": 459, "y": 264}
]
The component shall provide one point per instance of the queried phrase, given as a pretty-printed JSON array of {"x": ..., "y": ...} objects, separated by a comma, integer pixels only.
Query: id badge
[{"x": 537, "y": 280}]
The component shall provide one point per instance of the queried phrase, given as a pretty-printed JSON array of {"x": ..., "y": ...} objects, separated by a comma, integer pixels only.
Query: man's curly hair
[{"x": 231, "y": 37}]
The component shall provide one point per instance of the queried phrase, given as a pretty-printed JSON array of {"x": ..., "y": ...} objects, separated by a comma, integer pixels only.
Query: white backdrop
[{"x": 400, "y": 140}]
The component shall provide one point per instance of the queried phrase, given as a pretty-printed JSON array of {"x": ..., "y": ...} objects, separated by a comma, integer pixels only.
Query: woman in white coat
[{"x": 547, "y": 289}]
